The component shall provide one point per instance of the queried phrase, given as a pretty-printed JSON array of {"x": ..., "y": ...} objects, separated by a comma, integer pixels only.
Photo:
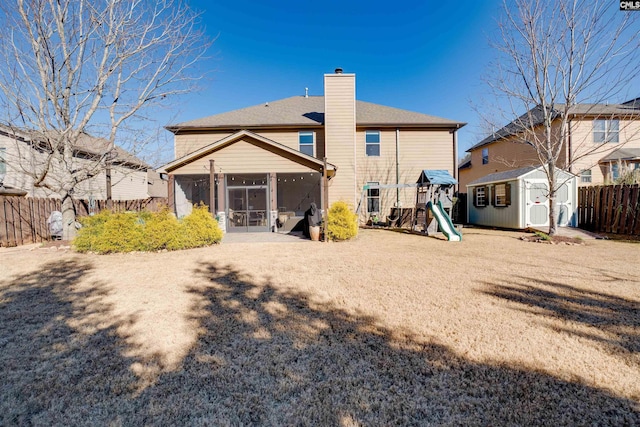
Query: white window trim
[
  {"x": 484, "y": 197},
  {"x": 607, "y": 131},
  {"x": 377, "y": 132},
  {"x": 373, "y": 197},
  {"x": 486, "y": 149},
  {"x": 496, "y": 195},
  {"x": 313, "y": 144},
  {"x": 586, "y": 178}
]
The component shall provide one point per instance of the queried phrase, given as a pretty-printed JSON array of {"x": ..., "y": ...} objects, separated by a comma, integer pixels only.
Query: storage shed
[{"x": 519, "y": 199}]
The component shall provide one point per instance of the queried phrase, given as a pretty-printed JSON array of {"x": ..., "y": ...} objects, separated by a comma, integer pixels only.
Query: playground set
[{"x": 432, "y": 211}]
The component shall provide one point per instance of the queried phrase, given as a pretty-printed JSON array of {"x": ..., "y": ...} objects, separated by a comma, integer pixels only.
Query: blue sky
[{"x": 423, "y": 56}]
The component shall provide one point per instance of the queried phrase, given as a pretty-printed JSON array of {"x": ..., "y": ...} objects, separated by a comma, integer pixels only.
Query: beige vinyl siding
[
  {"x": 157, "y": 187},
  {"x": 20, "y": 158},
  {"x": 189, "y": 142},
  {"x": 504, "y": 155},
  {"x": 185, "y": 143},
  {"x": 587, "y": 154},
  {"x": 340, "y": 128},
  {"x": 419, "y": 150},
  {"x": 241, "y": 157},
  {"x": 128, "y": 184},
  {"x": 584, "y": 153}
]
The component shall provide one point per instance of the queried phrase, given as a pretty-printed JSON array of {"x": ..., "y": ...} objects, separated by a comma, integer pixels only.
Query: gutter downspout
[{"x": 398, "y": 167}]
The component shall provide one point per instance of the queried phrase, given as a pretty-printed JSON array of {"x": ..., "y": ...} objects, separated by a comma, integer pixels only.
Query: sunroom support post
[
  {"x": 172, "y": 193},
  {"x": 221, "y": 196}
]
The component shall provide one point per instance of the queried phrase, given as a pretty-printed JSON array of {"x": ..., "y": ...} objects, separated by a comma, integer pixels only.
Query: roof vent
[
  {"x": 338, "y": 70},
  {"x": 306, "y": 92},
  {"x": 266, "y": 104}
]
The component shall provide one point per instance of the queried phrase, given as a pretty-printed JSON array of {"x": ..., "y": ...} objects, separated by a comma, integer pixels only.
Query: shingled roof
[
  {"x": 86, "y": 144},
  {"x": 300, "y": 111},
  {"x": 534, "y": 117}
]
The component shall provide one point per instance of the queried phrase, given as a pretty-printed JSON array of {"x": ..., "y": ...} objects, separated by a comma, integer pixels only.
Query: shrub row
[{"x": 109, "y": 232}]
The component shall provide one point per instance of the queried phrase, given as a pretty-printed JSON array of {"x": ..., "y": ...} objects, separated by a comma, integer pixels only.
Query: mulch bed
[{"x": 552, "y": 240}]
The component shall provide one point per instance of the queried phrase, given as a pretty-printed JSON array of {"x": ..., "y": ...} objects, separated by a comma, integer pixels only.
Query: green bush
[
  {"x": 343, "y": 223},
  {"x": 109, "y": 232}
]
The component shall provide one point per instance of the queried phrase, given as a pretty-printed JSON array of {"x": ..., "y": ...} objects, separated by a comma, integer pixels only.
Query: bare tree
[
  {"x": 74, "y": 68},
  {"x": 553, "y": 59}
]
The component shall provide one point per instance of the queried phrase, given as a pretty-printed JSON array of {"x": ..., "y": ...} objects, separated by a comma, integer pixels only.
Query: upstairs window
[
  {"x": 306, "y": 142},
  {"x": 373, "y": 198},
  {"x": 585, "y": 176},
  {"x": 606, "y": 131},
  {"x": 372, "y": 143},
  {"x": 485, "y": 156}
]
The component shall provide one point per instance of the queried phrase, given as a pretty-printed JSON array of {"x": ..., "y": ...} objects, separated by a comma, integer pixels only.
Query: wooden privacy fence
[
  {"x": 24, "y": 220},
  {"x": 610, "y": 209}
]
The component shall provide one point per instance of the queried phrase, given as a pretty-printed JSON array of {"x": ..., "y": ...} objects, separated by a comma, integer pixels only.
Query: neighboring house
[
  {"x": 260, "y": 168},
  {"x": 602, "y": 143},
  {"x": 130, "y": 178},
  {"x": 518, "y": 199}
]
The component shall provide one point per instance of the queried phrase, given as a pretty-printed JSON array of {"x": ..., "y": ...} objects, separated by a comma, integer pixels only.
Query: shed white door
[
  {"x": 537, "y": 203},
  {"x": 564, "y": 207}
]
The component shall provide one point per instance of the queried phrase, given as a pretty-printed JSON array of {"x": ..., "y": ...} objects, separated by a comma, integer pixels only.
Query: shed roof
[
  {"x": 512, "y": 175},
  {"x": 503, "y": 176},
  {"x": 309, "y": 111},
  {"x": 436, "y": 176}
]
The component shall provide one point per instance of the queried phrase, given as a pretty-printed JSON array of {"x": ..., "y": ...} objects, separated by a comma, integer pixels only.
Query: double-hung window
[
  {"x": 502, "y": 196},
  {"x": 585, "y": 176},
  {"x": 306, "y": 141},
  {"x": 606, "y": 131},
  {"x": 373, "y": 198},
  {"x": 372, "y": 143}
]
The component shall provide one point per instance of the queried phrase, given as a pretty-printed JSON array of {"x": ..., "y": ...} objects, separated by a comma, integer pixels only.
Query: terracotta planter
[{"x": 314, "y": 232}]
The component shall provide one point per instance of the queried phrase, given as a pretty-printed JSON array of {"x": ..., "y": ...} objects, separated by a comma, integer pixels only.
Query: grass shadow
[
  {"x": 61, "y": 357},
  {"x": 615, "y": 317},
  {"x": 264, "y": 356},
  {"x": 276, "y": 357}
]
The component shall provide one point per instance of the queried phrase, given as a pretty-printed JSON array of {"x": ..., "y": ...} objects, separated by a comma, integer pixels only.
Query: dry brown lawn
[{"x": 389, "y": 329}]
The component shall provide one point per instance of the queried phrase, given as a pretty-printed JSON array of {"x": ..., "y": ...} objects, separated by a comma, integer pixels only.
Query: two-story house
[
  {"x": 261, "y": 167},
  {"x": 601, "y": 143},
  {"x": 127, "y": 178}
]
